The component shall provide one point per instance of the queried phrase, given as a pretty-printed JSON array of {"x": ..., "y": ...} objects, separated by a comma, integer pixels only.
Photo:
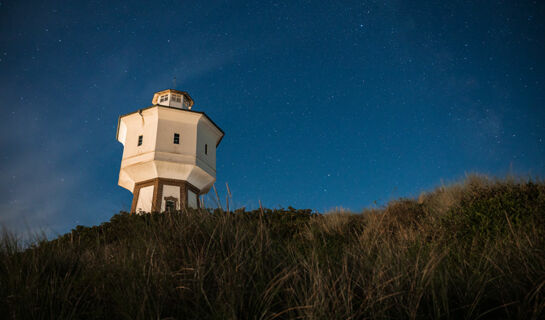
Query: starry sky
[{"x": 324, "y": 104}]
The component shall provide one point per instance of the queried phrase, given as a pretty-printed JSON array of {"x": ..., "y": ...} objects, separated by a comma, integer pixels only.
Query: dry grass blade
[
  {"x": 471, "y": 250},
  {"x": 276, "y": 315}
]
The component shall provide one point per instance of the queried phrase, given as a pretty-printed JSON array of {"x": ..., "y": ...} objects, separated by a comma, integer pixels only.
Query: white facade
[
  {"x": 150, "y": 152},
  {"x": 145, "y": 199},
  {"x": 192, "y": 199}
]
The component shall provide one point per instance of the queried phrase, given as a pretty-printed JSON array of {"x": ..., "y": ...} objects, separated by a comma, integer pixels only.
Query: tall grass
[{"x": 472, "y": 250}]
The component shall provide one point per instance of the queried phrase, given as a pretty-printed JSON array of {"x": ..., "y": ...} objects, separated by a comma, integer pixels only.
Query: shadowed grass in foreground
[{"x": 470, "y": 250}]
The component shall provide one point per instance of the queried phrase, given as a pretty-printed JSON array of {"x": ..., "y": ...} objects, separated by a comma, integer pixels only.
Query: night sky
[{"x": 324, "y": 104}]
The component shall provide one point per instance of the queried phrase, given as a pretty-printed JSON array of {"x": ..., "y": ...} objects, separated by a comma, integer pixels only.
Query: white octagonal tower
[{"x": 169, "y": 153}]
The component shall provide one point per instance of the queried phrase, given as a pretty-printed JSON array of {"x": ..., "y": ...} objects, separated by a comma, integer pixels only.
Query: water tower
[{"x": 169, "y": 153}]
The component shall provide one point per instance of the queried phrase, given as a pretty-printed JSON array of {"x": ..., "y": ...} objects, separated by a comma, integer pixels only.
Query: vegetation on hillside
[{"x": 473, "y": 250}]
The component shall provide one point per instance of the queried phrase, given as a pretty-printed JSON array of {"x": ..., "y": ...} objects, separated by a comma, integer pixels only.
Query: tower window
[
  {"x": 140, "y": 139},
  {"x": 176, "y": 138},
  {"x": 163, "y": 98},
  {"x": 205, "y": 149},
  {"x": 170, "y": 206},
  {"x": 176, "y": 98}
]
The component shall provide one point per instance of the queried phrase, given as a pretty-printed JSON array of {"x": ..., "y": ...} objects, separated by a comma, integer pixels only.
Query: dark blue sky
[{"x": 323, "y": 104}]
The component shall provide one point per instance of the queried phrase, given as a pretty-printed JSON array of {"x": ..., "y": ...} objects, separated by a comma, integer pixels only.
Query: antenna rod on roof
[{"x": 174, "y": 83}]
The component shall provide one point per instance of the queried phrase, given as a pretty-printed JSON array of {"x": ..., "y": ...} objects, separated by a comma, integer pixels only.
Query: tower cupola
[{"x": 173, "y": 98}]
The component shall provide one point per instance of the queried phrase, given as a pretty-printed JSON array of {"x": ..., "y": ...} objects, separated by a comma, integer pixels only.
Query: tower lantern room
[
  {"x": 169, "y": 153},
  {"x": 173, "y": 98}
]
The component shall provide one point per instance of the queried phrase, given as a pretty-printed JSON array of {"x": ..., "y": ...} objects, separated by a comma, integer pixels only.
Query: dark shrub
[{"x": 487, "y": 210}]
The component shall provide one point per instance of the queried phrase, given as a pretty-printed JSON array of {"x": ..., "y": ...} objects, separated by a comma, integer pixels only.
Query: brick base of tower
[{"x": 164, "y": 195}]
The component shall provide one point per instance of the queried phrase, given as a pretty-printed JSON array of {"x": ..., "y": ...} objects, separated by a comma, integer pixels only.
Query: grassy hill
[{"x": 470, "y": 250}]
